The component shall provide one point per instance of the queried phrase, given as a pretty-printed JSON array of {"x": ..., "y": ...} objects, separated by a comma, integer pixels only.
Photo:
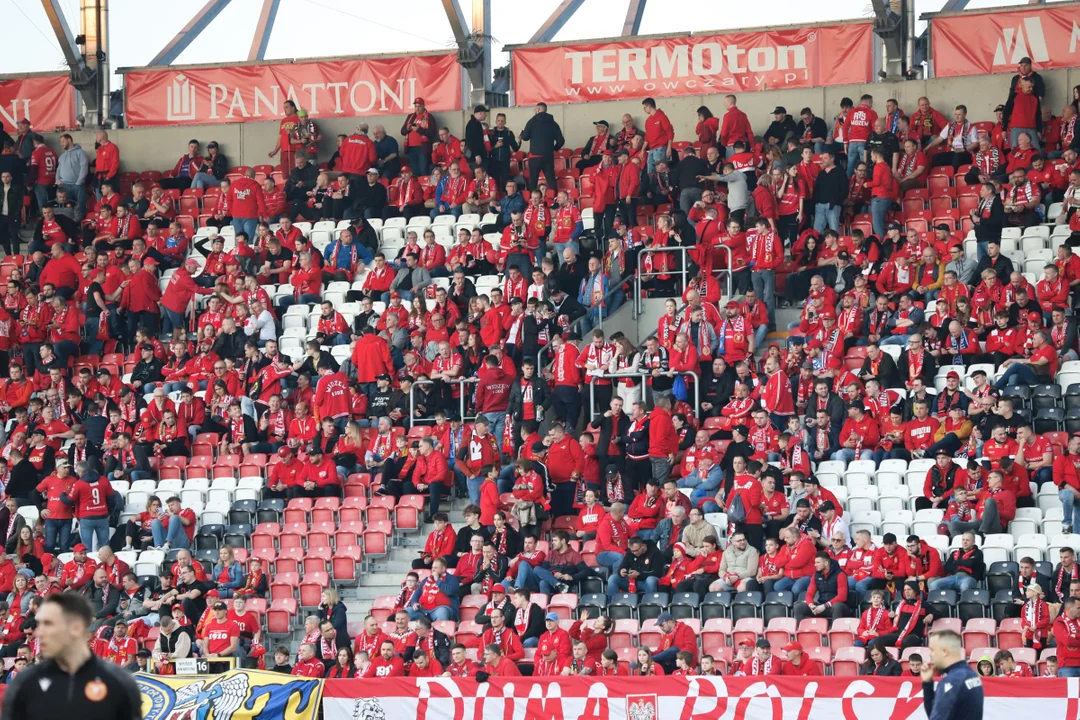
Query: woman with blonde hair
[{"x": 228, "y": 574}]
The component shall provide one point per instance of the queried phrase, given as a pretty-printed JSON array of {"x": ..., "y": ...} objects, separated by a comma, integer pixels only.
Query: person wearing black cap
[
  {"x": 595, "y": 147},
  {"x": 477, "y": 141},
  {"x": 780, "y": 128},
  {"x": 1025, "y": 72}
]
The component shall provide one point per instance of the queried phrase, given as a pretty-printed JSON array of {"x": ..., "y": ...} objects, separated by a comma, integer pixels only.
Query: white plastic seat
[
  {"x": 831, "y": 466},
  {"x": 893, "y": 465},
  {"x": 1034, "y": 540}
]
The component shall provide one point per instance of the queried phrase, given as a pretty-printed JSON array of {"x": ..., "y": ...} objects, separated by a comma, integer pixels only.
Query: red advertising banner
[
  {"x": 977, "y": 43},
  {"x": 47, "y": 101},
  {"x": 703, "y": 64},
  {"x": 678, "y": 698},
  {"x": 331, "y": 88}
]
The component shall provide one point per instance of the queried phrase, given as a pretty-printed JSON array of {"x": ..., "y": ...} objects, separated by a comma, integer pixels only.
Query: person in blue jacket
[{"x": 959, "y": 692}]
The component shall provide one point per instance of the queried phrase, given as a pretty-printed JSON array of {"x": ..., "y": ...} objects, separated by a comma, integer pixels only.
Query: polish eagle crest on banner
[{"x": 641, "y": 707}]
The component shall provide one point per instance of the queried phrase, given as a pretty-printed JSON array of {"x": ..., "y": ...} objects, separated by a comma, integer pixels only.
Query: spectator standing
[
  {"x": 72, "y": 168},
  {"x": 545, "y": 139},
  {"x": 419, "y": 132},
  {"x": 659, "y": 134},
  {"x": 106, "y": 161}
]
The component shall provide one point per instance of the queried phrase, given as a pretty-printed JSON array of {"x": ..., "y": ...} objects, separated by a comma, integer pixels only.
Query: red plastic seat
[
  {"x": 979, "y": 632},
  {"x": 343, "y": 565},
  {"x": 747, "y": 629},
  {"x": 1009, "y": 636},
  {"x": 716, "y": 634},
  {"x": 842, "y": 633},
  {"x": 311, "y": 589},
  {"x": 279, "y": 617},
  {"x": 780, "y": 631},
  {"x": 812, "y": 632},
  {"x": 847, "y": 660}
]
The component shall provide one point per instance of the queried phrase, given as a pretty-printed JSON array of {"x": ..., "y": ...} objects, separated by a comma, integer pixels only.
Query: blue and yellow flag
[{"x": 235, "y": 695}]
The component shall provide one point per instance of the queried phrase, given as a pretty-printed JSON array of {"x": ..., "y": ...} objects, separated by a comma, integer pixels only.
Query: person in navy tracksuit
[{"x": 959, "y": 691}]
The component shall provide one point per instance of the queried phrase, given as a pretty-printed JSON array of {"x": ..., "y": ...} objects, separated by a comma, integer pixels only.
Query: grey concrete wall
[{"x": 249, "y": 143}]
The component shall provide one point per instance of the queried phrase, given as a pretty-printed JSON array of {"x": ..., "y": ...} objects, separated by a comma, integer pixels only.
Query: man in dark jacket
[
  {"x": 782, "y": 126},
  {"x": 988, "y": 218},
  {"x": 994, "y": 260},
  {"x": 830, "y": 192},
  {"x": 639, "y": 571},
  {"x": 828, "y": 591},
  {"x": 11, "y": 202},
  {"x": 686, "y": 179},
  {"x": 476, "y": 151},
  {"x": 812, "y": 130},
  {"x": 527, "y": 385},
  {"x": 503, "y": 145},
  {"x": 301, "y": 180},
  {"x": 545, "y": 138},
  {"x": 612, "y": 424},
  {"x": 368, "y": 197},
  {"x": 964, "y": 567},
  {"x": 148, "y": 369}
]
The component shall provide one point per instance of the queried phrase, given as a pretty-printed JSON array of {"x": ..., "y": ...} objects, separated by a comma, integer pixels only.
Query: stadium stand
[{"x": 378, "y": 410}]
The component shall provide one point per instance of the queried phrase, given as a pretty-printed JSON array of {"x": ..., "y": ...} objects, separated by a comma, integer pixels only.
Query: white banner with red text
[
  {"x": 702, "y": 64},
  {"x": 324, "y": 88},
  {"x": 676, "y": 698}
]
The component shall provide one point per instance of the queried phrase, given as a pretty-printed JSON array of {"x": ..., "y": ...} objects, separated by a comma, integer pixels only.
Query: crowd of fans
[{"x": 128, "y": 341}]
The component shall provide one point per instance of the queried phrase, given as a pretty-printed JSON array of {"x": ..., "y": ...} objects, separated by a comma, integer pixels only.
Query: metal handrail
[
  {"x": 644, "y": 383},
  {"x": 457, "y": 381},
  {"x": 642, "y": 276}
]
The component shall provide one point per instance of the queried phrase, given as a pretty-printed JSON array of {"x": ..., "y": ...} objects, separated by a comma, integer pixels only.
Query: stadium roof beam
[
  {"x": 634, "y": 12},
  {"x": 189, "y": 32},
  {"x": 474, "y": 45},
  {"x": 890, "y": 28},
  {"x": 263, "y": 29},
  {"x": 951, "y": 5},
  {"x": 554, "y": 24},
  {"x": 72, "y": 53}
]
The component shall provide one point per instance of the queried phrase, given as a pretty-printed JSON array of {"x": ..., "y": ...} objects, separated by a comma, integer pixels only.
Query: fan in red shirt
[
  {"x": 309, "y": 665},
  {"x": 121, "y": 649},
  {"x": 386, "y": 663},
  {"x": 220, "y": 635}
]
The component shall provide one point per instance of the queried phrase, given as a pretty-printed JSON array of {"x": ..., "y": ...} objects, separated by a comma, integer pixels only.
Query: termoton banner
[
  {"x": 977, "y": 43},
  {"x": 694, "y": 65},
  {"x": 679, "y": 698},
  {"x": 47, "y": 101},
  {"x": 325, "y": 88}
]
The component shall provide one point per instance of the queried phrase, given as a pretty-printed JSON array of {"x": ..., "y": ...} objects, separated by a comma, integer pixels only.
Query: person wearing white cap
[{"x": 369, "y": 197}]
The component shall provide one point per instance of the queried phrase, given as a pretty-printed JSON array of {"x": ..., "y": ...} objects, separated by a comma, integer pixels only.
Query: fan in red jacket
[
  {"x": 386, "y": 663},
  {"x": 676, "y": 637},
  {"x": 798, "y": 664}
]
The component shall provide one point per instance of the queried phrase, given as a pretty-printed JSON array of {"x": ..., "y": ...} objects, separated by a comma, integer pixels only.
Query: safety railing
[
  {"x": 462, "y": 382},
  {"x": 682, "y": 270},
  {"x": 644, "y": 376}
]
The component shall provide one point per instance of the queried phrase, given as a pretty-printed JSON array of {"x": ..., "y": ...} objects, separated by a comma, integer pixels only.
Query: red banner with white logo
[
  {"x": 703, "y": 64},
  {"x": 679, "y": 698},
  {"x": 333, "y": 88},
  {"x": 975, "y": 43},
  {"x": 47, "y": 101}
]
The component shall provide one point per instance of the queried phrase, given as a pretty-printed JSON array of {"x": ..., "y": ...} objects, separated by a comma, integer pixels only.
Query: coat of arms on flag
[{"x": 641, "y": 707}]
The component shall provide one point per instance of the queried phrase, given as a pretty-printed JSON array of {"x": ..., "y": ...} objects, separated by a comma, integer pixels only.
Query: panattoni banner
[
  {"x": 47, "y": 101},
  {"x": 677, "y": 698},
  {"x": 694, "y": 65},
  {"x": 974, "y": 43},
  {"x": 324, "y": 88},
  {"x": 235, "y": 695}
]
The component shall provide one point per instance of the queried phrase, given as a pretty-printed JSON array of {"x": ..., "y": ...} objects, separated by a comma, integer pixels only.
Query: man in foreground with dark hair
[{"x": 72, "y": 682}]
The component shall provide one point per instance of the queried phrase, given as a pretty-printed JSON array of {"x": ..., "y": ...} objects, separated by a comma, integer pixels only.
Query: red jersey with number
[{"x": 219, "y": 635}]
